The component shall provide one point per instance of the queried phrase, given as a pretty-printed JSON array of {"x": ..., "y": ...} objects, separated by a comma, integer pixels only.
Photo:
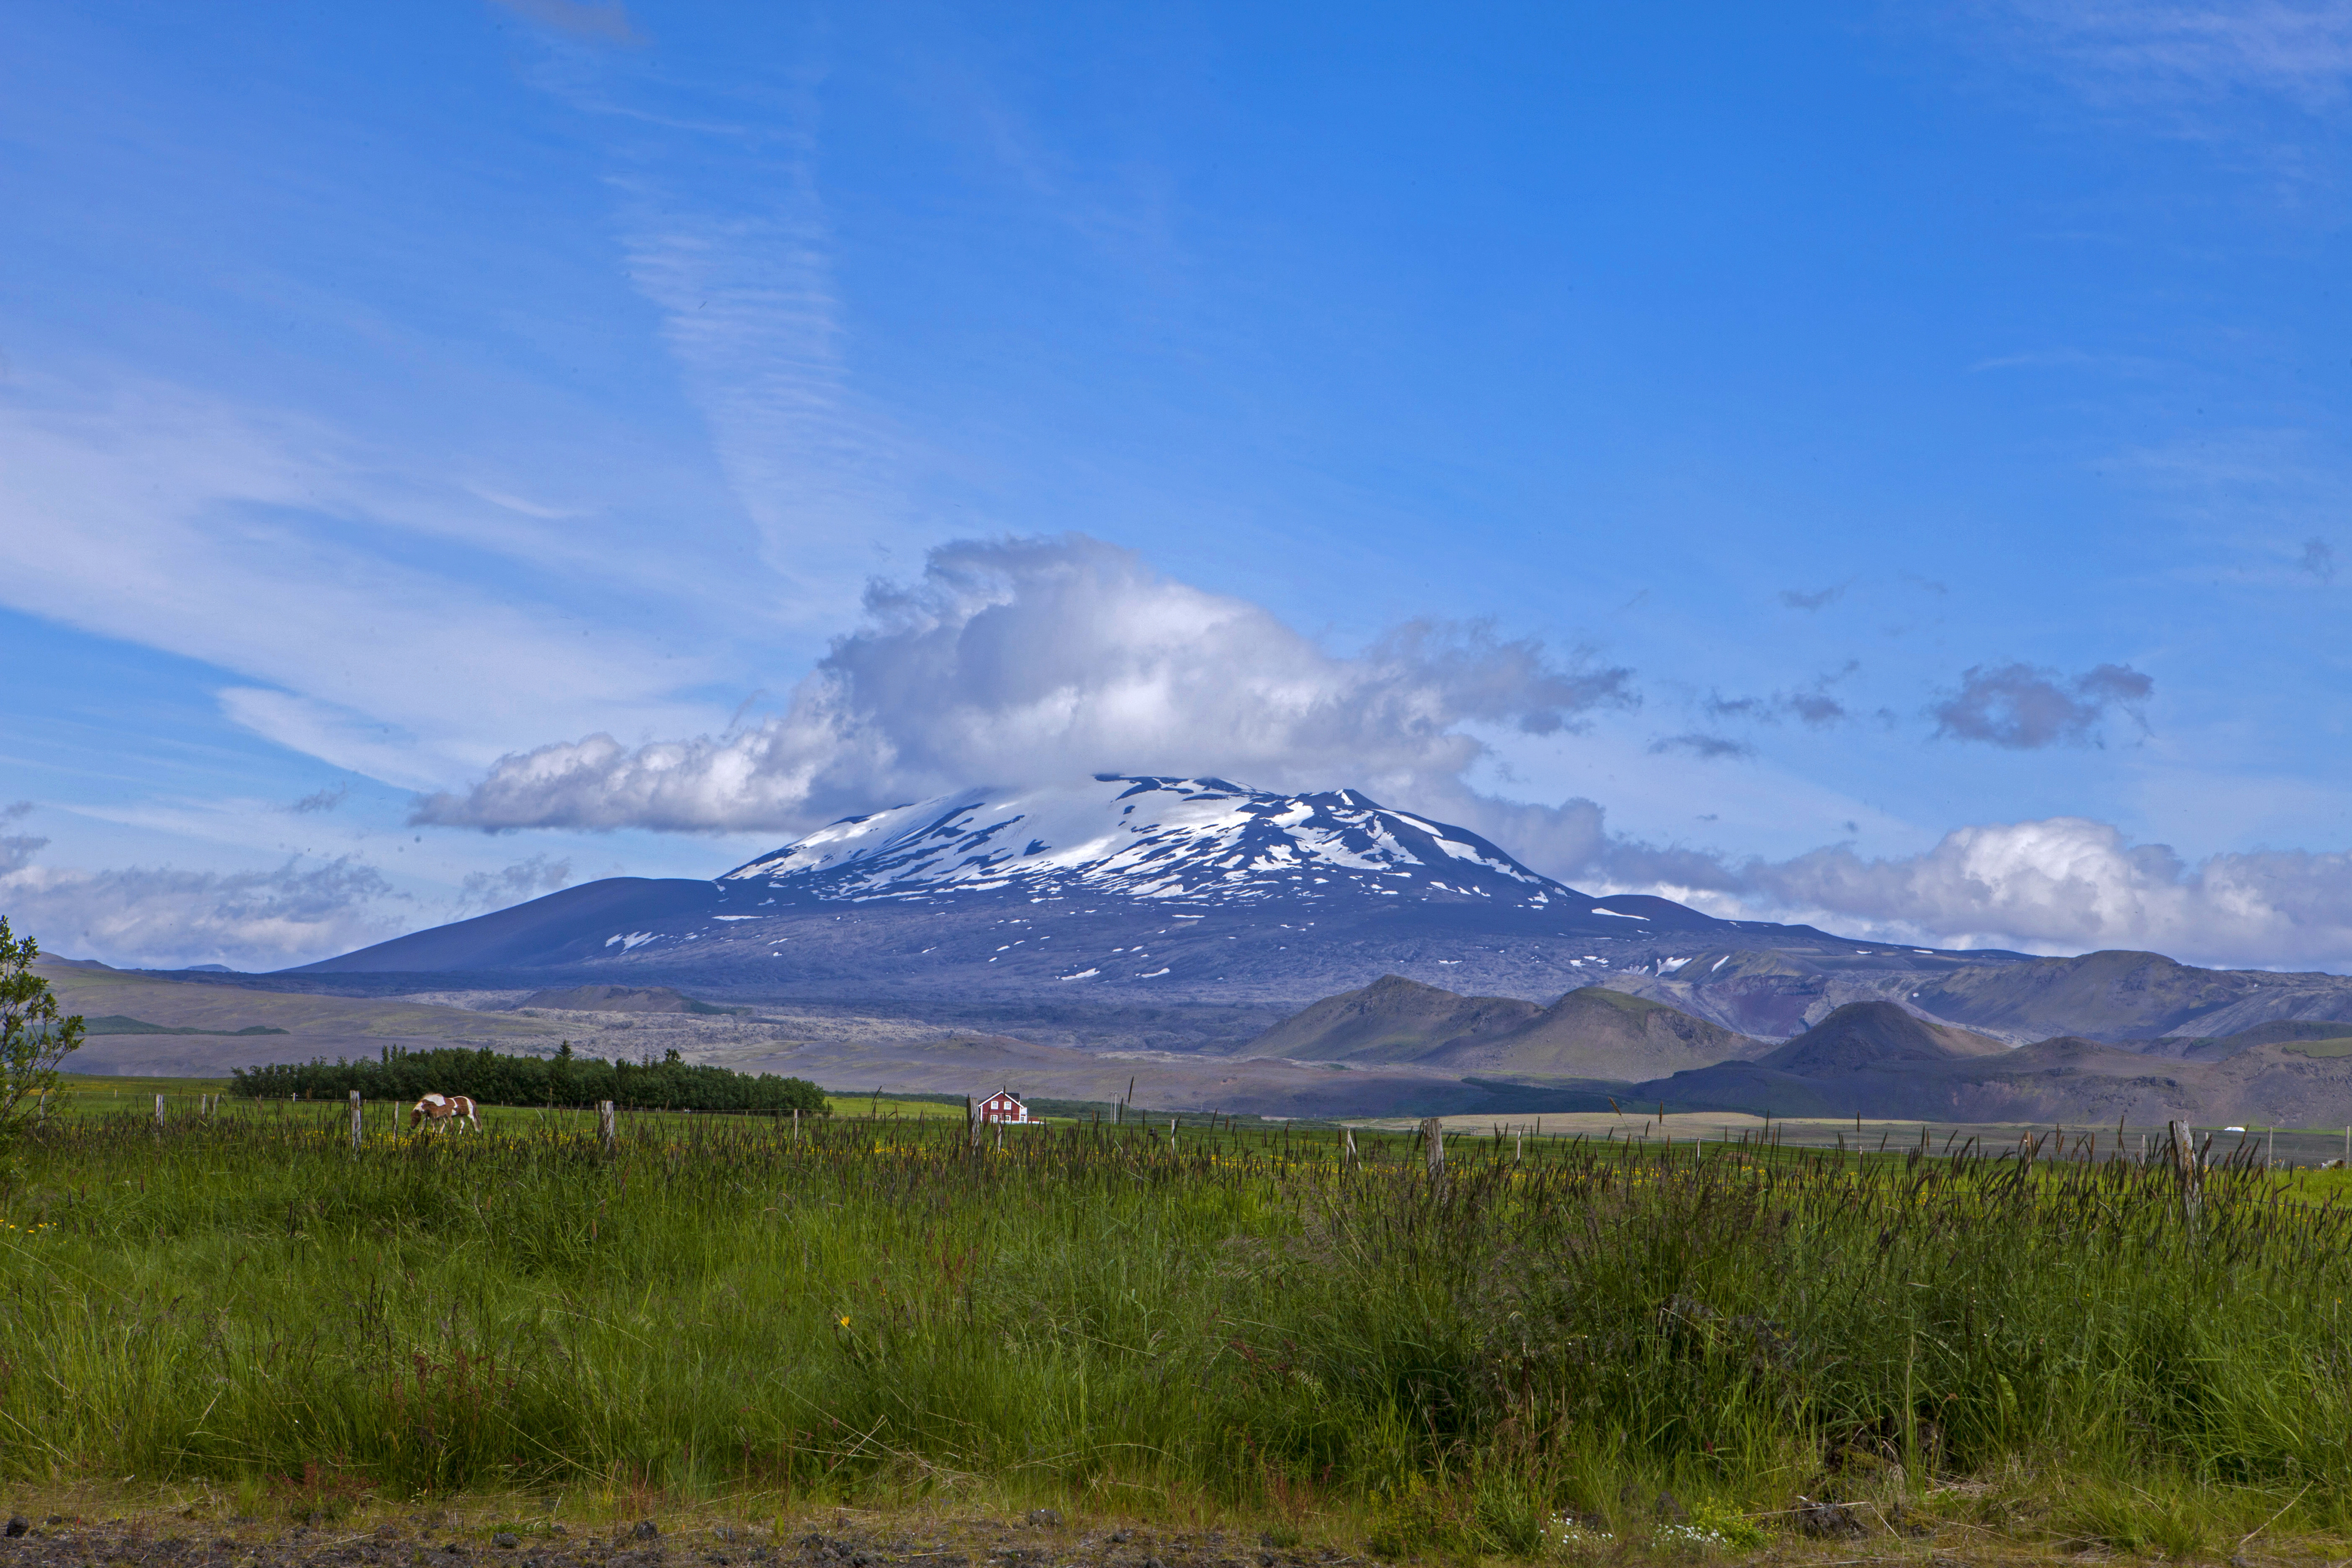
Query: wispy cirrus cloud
[
  {"x": 606, "y": 21},
  {"x": 723, "y": 228},
  {"x": 138, "y": 511},
  {"x": 2138, "y": 53},
  {"x": 751, "y": 314},
  {"x": 2073, "y": 359}
]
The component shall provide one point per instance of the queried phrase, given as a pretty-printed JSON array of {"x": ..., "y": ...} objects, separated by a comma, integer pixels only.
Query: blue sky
[{"x": 1885, "y": 465}]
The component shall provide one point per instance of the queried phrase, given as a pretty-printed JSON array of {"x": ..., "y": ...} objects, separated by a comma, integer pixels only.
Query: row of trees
[{"x": 564, "y": 1079}]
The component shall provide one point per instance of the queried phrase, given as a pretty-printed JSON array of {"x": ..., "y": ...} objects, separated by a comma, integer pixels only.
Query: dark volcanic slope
[
  {"x": 597, "y": 919},
  {"x": 1854, "y": 1063},
  {"x": 1863, "y": 1036},
  {"x": 1869, "y": 1058},
  {"x": 1590, "y": 1034},
  {"x": 1391, "y": 1020},
  {"x": 976, "y": 945},
  {"x": 1863, "y": 1059},
  {"x": 1595, "y": 1033},
  {"x": 2131, "y": 996},
  {"x": 2214, "y": 1048}
]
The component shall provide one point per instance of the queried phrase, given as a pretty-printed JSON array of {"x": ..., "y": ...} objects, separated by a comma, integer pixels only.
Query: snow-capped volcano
[
  {"x": 1195, "y": 842},
  {"x": 1194, "y": 888}
]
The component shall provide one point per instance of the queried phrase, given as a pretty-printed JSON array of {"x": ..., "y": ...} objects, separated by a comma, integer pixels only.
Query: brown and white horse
[{"x": 440, "y": 1109}]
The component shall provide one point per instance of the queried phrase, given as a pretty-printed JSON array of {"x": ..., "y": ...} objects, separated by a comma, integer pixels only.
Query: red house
[{"x": 1003, "y": 1106}]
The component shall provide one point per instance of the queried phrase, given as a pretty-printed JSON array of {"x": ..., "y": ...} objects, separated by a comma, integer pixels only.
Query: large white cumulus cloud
[
  {"x": 1033, "y": 660},
  {"x": 2062, "y": 884}
]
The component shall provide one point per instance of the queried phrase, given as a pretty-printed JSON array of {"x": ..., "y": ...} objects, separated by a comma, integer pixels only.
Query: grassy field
[
  {"x": 1588, "y": 1350},
  {"x": 99, "y": 1094},
  {"x": 105, "y": 1094}
]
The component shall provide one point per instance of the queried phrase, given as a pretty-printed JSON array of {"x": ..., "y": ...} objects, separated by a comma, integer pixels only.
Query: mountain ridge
[
  {"x": 1875, "y": 1035},
  {"x": 1872, "y": 1058},
  {"x": 2115, "y": 996},
  {"x": 1590, "y": 1034},
  {"x": 1126, "y": 885}
]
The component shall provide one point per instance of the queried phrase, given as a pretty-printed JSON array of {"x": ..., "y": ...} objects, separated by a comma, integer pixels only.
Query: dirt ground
[
  {"x": 842, "y": 1539},
  {"x": 1039, "y": 1540}
]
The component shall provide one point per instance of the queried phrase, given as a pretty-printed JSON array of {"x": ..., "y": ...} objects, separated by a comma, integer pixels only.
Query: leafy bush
[{"x": 34, "y": 1036}]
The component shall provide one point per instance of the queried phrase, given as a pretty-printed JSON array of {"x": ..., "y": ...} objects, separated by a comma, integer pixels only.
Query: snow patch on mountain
[{"x": 1191, "y": 841}]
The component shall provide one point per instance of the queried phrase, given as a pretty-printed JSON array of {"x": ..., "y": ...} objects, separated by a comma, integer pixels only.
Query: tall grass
[{"x": 1097, "y": 1316}]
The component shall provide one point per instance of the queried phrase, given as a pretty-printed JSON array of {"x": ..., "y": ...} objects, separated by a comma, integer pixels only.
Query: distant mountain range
[
  {"x": 1166, "y": 923},
  {"x": 1774, "y": 991},
  {"x": 1122, "y": 890},
  {"x": 1868, "y": 1059}
]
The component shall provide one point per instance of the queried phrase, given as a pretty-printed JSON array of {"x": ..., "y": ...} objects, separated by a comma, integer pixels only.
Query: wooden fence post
[
  {"x": 2185, "y": 1161},
  {"x": 159, "y": 1110},
  {"x": 605, "y": 1130},
  {"x": 1433, "y": 1151},
  {"x": 356, "y": 1121}
]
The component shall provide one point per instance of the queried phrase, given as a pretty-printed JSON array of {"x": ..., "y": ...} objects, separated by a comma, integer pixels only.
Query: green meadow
[{"x": 1560, "y": 1347}]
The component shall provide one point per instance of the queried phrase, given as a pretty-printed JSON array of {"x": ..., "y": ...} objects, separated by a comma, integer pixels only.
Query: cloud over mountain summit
[
  {"x": 1019, "y": 661},
  {"x": 1033, "y": 661}
]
